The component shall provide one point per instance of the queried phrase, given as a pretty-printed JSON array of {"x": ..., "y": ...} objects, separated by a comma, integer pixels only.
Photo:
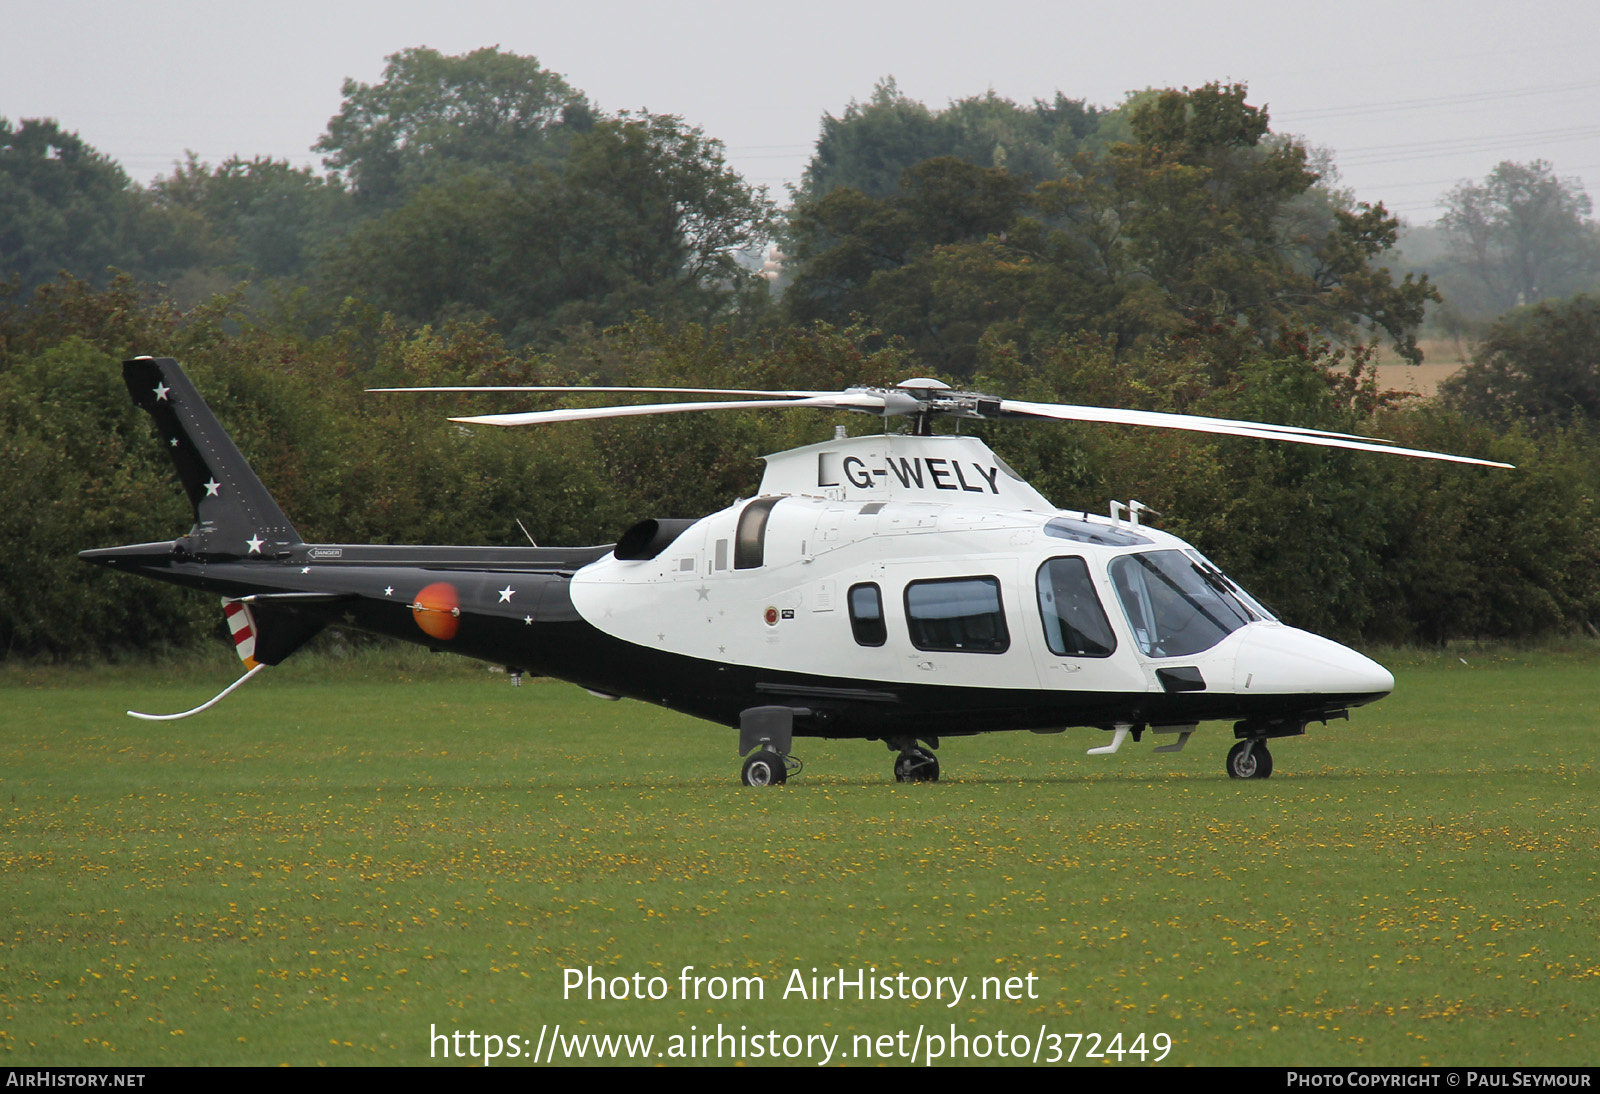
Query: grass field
[{"x": 344, "y": 857}]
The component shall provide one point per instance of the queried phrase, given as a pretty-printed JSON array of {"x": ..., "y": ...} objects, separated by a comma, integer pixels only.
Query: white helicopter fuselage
[{"x": 921, "y": 572}]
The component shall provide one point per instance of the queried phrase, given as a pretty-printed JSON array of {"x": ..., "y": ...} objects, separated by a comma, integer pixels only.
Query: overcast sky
[{"x": 1410, "y": 97}]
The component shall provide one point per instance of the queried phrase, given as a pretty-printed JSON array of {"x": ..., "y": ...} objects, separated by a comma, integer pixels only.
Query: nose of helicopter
[{"x": 1286, "y": 660}]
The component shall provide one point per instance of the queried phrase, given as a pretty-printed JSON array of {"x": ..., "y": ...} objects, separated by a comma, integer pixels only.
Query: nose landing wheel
[
  {"x": 765, "y": 768},
  {"x": 1249, "y": 759},
  {"x": 916, "y": 765}
]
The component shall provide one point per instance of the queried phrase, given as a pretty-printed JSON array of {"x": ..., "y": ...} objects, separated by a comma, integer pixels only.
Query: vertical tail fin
[{"x": 234, "y": 515}]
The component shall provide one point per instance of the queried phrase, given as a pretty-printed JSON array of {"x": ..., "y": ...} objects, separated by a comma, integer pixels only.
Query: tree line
[{"x": 482, "y": 222}]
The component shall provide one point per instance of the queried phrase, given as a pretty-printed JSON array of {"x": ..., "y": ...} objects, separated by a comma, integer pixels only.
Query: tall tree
[
  {"x": 433, "y": 117},
  {"x": 1195, "y": 227},
  {"x": 63, "y": 205},
  {"x": 262, "y": 215},
  {"x": 643, "y": 215},
  {"x": 1523, "y": 235},
  {"x": 66, "y": 208},
  {"x": 1206, "y": 204},
  {"x": 872, "y": 144},
  {"x": 916, "y": 262}
]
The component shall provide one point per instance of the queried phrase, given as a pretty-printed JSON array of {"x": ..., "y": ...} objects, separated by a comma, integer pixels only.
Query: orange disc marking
[{"x": 437, "y": 610}]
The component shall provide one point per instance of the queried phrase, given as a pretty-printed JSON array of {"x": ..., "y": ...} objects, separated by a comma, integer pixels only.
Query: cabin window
[
  {"x": 1175, "y": 607},
  {"x": 958, "y": 614},
  {"x": 1074, "y": 622},
  {"x": 866, "y": 615}
]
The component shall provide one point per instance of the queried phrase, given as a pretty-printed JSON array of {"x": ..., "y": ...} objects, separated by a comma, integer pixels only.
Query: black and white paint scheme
[{"x": 906, "y": 587}]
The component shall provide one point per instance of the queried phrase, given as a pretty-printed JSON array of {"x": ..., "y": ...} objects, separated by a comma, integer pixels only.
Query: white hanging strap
[{"x": 223, "y": 694}]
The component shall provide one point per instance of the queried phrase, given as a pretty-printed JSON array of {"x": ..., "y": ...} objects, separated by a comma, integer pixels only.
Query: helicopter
[{"x": 906, "y": 587}]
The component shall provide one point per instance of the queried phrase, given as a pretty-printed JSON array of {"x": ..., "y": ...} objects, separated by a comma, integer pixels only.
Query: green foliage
[
  {"x": 1204, "y": 208},
  {"x": 1199, "y": 226},
  {"x": 874, "y": 143},
  {"x": 77, "y": 470},
  {"x": 66, "y": 208},
  {"x": 122, "y": 318},
  {"x": 1537, "y": 364},
  {"x": 643, "y": 215},
  {"x": 483, "y": 186},
  {"x": 434, "y": 117},
  {"x": 259, "y": 216},
  {"x": 918, "y": 262},
  {"x": 691, "y": 465},
  {"x": 63, "y": 205},
  {"x": 1488, "y": 554}
]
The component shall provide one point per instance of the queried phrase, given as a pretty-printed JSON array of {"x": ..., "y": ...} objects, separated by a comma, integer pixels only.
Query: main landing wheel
[
  {"x": 1249, "y": 760},
  {"x": 916, "y": 765},
  {"x": 765, "y": 768}
]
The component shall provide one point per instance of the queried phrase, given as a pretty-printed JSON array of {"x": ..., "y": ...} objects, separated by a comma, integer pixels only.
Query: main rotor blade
[
  {"x": 1161, "y": 419},
  {"x": 1226, "y": 427},
  {"x": 613, "y": 390},
  {"x": 862, "y": 401}
]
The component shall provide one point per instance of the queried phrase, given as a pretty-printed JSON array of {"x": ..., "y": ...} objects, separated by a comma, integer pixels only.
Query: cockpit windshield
[
  {"x": 1177, "y": 603},
  {"x": 1257, "y": 609}
]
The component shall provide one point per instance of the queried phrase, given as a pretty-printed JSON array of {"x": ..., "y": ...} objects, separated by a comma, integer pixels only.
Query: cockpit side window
[
  {"x": 866, "y": 615},
  {"x": 1175, "y": 607},
  {"x": 957, "y": 614},
  {"x": 1074, "y": 622}
]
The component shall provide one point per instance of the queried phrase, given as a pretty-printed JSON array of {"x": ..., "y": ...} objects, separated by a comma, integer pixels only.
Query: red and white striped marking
[{"x": 243, "y": 626}]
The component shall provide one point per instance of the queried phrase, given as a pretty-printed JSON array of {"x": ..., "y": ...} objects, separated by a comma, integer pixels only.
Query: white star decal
[
  {"x": 388, "y": 590},
  {"x": 254, "y": 543},
  {"x": 305, "y": 569},
  {"x": 528, "y": 619},
  {"x": 212, "y": 487},
  {"x": 506, "y": 594},
  {"x": 161, "y": 390},
  {"x": 173, "y": 442}
]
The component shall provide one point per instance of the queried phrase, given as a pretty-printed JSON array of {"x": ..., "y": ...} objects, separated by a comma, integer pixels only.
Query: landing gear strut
[
  {"x": 765, "y": 736},
  {"x": 1249, "y": 759}
]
